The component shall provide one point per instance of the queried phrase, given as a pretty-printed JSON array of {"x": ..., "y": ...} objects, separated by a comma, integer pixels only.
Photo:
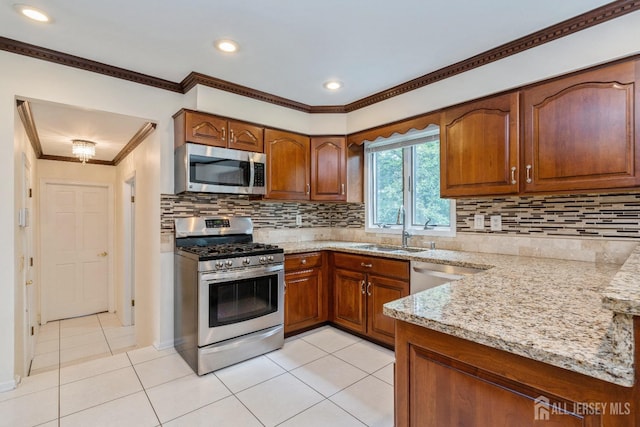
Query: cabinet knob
[
  {"x": 303, "y": 261},
  {"x": 362, "y": 264}
]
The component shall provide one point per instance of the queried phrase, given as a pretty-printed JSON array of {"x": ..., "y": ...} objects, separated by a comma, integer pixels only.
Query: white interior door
[{"x": 75, "y": 250}]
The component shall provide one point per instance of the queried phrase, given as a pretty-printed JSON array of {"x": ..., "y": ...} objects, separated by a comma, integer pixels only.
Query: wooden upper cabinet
[
  {"x": 288, "y": 161},
  {"x": 579, "y": 131},
  {"x": 479, "y": 148},
  {"x": 329, "y": 168},
  {"x": 207, "y": 129},
  {"x": 245, "y": 136},
  {"x": 199, "y": 128}
]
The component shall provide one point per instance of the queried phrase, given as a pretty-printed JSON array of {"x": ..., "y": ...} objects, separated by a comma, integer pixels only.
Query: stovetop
[{"x": 231, "y": 250}]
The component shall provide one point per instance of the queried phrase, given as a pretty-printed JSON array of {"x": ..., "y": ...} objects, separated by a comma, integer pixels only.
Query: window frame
[{"x": 407, "y": 142}]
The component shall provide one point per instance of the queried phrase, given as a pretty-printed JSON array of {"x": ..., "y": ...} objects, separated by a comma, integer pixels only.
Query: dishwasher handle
[{"x": 437, "y": 273}]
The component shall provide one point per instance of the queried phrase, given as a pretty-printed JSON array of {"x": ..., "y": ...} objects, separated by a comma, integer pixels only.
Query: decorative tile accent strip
[
  {"x": 591, "y": 215},
  {"x": 265, "y": 214}
]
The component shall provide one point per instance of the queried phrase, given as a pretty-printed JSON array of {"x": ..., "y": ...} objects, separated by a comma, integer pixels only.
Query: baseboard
[
  {"x": 163, "y": 345},
  {"x": 9, "y": 385}
]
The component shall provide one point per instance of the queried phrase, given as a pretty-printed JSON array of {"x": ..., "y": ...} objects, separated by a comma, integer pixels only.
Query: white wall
[{"x": 31, "y": 78}]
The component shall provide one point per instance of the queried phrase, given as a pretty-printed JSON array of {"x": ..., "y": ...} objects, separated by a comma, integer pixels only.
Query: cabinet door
[
  {"x": 349, "y": 300},
  {"x": 479, "y": 148},
  {"x": 580, "y": 131},
  {"x": 381, "y": 290},
  {"x": 202, "y": 128},
  {"x": 288, "y": 170},
  {"x": 329, "y": 168},
  {"x": 303, "y": 299},
  {"x": 245, "y": 136}
]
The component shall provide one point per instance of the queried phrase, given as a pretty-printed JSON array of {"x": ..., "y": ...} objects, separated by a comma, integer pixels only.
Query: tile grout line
[
  {"x": 144, "y": 390},
  {"x": 59, "y": 374},
  {"x": 105, "y": 335}
]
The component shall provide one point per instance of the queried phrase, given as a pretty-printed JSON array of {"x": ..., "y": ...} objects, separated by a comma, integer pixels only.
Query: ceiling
[{"x": 288, "y": 48}]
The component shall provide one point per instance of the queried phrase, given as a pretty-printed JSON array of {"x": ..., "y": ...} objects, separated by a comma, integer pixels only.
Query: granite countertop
[{"x": 570, "y": 314}]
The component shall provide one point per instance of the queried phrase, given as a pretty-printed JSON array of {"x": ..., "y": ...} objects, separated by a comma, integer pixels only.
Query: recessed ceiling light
[
  {"x": 332, "y": 85},
  {"x": 32, "y": 13},
  {"x": 226, "y": 45}
]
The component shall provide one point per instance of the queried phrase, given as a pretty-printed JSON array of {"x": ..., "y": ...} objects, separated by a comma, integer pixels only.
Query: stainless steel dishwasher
[{"x": 427, "y": 275}]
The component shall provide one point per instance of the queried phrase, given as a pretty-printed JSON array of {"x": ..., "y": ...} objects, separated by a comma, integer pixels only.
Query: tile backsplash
[
  {"x": 608, "y": 216},
  {"x": 265, "y": 214},
  {"x": 599, "y": 216}
]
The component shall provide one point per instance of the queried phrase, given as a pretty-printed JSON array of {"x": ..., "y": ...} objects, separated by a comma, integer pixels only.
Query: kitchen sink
[{"x": 383, "y": 248}]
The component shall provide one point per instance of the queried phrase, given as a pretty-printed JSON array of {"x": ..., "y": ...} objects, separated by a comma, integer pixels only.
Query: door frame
[
  {"x": 30, "y": 292},
  {"x": 44, "y": 182},
  {"x": 127, "y": 317}
]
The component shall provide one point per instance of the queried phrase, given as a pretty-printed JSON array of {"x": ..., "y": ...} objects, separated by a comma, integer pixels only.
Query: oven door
[{"x": 232, "y": 304}]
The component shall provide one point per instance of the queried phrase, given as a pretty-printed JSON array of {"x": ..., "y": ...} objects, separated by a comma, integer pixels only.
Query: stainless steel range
[{"x": 228, "y": 294}]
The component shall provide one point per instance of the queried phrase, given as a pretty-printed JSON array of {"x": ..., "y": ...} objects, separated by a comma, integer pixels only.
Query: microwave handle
[{"x": 252, "y": 172}]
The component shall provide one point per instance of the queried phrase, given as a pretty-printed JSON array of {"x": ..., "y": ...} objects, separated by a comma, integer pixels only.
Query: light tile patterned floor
[
  {"x": 70, "y": 341},
  {"x": 322, "y": 378}
]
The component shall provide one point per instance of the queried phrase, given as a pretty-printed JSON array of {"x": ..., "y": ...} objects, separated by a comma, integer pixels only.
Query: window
[{"x": 405, "y": 171}]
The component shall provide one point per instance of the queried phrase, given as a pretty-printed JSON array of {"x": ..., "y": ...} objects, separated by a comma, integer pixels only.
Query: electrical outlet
[
  {"x": 496, "y": 223},
  {"x": 478, "y": 222},
  {"x": 298, "y": 220}
]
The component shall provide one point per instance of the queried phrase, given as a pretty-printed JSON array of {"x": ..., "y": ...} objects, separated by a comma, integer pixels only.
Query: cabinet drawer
[
  {"x": 366, "y": 264},
  {"x": 302, "y": 261}
]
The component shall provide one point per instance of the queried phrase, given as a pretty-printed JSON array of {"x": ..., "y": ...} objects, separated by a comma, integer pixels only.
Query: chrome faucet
[{"x": 402, "y": 214}]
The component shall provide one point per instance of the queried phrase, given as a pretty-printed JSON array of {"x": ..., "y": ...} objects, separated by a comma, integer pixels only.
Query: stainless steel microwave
[{"x": 202, "y": 168}]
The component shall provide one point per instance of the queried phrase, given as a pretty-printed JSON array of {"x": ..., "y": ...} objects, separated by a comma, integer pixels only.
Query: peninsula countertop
[{"x": 571, "y": 314}]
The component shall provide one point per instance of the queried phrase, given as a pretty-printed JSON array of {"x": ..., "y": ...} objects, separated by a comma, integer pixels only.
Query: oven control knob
[
  {"x": 270, "y": 258},
  {"x": 219, "y": 265},
  {"x": 246, "y": 261},
  {"x": 262, "y": 259},
  {"x": 229, "y": 263}
]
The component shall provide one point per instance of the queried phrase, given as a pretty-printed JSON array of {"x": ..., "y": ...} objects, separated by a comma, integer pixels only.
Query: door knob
[
  {"x": 29, "y": 282},
  {"x": 103, "y": 254}
]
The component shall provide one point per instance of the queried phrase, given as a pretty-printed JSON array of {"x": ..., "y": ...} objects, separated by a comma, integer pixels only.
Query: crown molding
[
  {"x": 142, "y": 133},
  {"x": 26, "y": 116},
  {"x": 581, "y": 22},
  {"x": 33, "y": 51},
  {"x": 194, "y": 79},
  {"x": 554, "y": 32}
]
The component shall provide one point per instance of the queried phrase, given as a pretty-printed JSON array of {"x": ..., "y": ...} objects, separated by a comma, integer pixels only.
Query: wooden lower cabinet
[
  {"x": 360, "y": 290},
  {"x": 305, "y": 293},
  {"x": 443, "y": 381},
  {"x": 349, "y": 302}
]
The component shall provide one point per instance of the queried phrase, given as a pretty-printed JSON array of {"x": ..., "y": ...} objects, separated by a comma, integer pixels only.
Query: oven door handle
[{"x": 211, "y": 278}]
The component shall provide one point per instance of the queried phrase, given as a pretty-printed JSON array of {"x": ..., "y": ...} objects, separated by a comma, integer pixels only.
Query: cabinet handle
[
  {"x": 308, "y": 189},
  {"x": 529, "y": 174},
  {"x": 368, "y": 288},
  {"x": 513, "y": 175},
  {"x": 362, "y": 264},
  {"x": 285, "y": 287},
  {"x": 362, "y": 287},
  {"x": 303, "y": 261},
  {"x": 231, "y": 137},
  {"x": 343, "y": 189},
  {"x": 224, "y": 134}
]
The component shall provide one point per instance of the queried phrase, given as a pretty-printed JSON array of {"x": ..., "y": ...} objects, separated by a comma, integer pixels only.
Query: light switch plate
[
  {"x": 478, "y": 222},
  {"x": 496, "y": 223}
]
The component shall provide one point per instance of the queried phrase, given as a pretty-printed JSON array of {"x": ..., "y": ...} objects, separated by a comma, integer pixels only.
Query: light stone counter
[{"x": 570, "y": 314}]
